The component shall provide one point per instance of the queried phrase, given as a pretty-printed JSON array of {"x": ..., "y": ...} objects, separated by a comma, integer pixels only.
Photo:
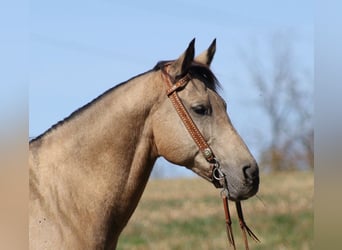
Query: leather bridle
[{"x": 215, "y": 174}]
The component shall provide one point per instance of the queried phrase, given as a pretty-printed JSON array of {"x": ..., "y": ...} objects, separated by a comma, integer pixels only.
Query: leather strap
[
  {"x": 216, "y": 173},
  {"x": 185, "y": 116},
  {"x": 178, "y": 85},
  {"x": 229, "y": 229}
]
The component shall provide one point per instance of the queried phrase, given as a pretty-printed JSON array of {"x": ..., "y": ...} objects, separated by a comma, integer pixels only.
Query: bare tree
[{"x": 286, "y": 98}]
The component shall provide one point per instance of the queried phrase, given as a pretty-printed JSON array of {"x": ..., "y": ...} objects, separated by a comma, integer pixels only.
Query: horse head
[{"x": 208, "y": 111}]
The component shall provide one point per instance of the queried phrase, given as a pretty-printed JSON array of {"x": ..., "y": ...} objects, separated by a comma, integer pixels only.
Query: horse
[{"x": 88, "y": 171}]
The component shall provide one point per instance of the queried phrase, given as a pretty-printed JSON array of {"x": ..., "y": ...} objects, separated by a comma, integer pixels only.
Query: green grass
[{"x": 188, "y": 214}]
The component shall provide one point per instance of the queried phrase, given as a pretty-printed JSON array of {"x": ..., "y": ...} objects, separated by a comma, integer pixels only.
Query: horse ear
[
  {"x": 180, "y": 66},
  {"x": 207, "y": 56}
]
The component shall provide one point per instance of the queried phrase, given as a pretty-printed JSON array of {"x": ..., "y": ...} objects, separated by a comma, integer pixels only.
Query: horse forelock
[{"x": 204, "y": 74}]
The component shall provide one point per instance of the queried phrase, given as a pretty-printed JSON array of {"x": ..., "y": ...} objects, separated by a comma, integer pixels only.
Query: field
[{"x": 188, "y": 214}]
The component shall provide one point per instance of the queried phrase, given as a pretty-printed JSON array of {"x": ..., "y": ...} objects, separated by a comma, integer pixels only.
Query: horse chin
[
  {"x": 207, "y": 175},
  {"x": 242, "y": 193},
  {"x": 217, "y": 183}
]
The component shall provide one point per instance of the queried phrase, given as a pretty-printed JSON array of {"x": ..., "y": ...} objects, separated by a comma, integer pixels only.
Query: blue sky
[{"x": 79, "y": 49}]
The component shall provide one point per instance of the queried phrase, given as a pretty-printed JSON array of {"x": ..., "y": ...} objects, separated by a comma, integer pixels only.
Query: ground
[{"x": 188, "y": 214}]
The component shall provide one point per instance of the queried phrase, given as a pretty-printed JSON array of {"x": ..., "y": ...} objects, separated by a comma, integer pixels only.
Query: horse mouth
[
  {"x": 240, "y": 197},
  {"x": 243, "y": 191},
  {"x": 238, "y": 189}
]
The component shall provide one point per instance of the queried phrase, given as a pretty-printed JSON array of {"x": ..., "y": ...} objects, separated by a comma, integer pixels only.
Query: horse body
[{"x": 88, "y": 172}]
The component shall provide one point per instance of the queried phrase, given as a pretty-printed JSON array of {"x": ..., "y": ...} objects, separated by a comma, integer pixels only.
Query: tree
[{"x": 286, "y": 99}]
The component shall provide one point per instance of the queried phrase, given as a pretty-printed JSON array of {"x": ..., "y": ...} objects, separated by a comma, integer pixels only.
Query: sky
[
  {"x": 79, "y": 49},
  {"x": 55, "y": 57}
]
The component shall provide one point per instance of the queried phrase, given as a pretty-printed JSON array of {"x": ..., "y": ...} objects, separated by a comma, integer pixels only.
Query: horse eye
[{"x": 201, "y": 110}]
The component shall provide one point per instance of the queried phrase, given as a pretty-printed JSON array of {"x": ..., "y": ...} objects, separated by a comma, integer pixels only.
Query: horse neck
[{"x": 100, "y": 160}]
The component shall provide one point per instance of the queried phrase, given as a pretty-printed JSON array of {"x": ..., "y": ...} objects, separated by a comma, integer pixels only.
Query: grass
[{"x": 188, "y": 214}]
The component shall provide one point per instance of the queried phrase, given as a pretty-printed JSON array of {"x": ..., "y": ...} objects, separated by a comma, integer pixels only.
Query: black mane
[{"x": 198, "y": 71}]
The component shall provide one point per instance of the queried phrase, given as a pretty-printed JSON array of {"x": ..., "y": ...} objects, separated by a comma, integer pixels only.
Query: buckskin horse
[{"x": 88, "y": 172}]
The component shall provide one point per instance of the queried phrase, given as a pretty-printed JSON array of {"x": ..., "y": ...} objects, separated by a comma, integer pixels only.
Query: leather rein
[{"x": 215, "y": 173}]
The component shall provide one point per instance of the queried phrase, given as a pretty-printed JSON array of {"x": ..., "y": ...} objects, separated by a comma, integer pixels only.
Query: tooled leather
[
  {"x": 179, "y": 84},
  {"x": 185, "y": 116}
]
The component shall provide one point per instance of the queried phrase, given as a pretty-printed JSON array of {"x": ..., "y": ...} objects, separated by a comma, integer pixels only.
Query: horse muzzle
[
  {"x": 238, "y": 186},
  {"x": 243, "y": 191}
]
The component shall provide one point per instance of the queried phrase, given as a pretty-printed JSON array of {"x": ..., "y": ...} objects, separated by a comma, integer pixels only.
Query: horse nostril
[{"x": 251, "y": 171}]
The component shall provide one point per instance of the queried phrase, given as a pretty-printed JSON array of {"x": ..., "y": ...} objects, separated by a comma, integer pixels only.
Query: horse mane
[
  {"x": 196, "y": 70},
  {"x": 199, "y": 71}
]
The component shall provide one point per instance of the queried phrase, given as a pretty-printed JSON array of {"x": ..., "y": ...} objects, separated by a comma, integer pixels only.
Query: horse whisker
[{"x": 260, "y": 199}]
